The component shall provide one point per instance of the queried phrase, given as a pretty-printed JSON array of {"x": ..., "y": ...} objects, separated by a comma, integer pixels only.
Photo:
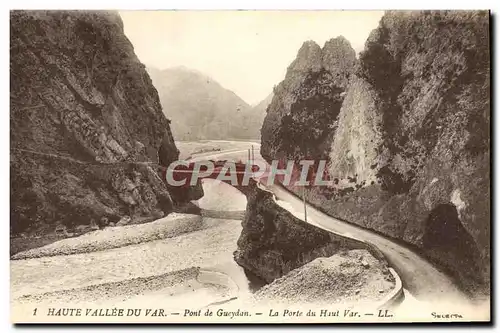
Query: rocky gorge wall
[
  {"x": 409, "y": 149},
  {"x": 83, "y": 111}
]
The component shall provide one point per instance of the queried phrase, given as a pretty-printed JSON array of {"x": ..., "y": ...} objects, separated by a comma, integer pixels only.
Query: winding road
[
  {"x": 420, "y": 277},
  {"x": 425, "y": 286}
]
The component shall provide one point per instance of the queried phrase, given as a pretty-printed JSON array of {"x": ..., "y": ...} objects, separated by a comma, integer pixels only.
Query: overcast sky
[{"x": 245, "y": 51}]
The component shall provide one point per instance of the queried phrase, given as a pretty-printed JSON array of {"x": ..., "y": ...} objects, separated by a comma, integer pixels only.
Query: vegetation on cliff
[{"x": 409, "y": 152}]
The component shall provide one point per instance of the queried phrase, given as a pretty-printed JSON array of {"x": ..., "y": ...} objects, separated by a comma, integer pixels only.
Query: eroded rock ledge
[{"x": 273, "y": 242}]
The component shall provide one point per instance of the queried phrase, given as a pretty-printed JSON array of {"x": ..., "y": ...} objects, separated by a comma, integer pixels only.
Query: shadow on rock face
[
  {"x": 447, "y": 241},
  {"x": 254, "y": 282}
]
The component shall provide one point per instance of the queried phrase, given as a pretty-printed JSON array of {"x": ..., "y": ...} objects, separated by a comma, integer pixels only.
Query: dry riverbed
[
  {"x": 190, "y": 149},
  {"x": 114, "y": 237},
  {"x": 160, "y": 273},
  {"x": 202, "y": 248}
]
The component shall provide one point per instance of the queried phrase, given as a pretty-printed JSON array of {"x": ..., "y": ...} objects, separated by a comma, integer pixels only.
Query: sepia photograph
[{"x": 250, "y": 166}]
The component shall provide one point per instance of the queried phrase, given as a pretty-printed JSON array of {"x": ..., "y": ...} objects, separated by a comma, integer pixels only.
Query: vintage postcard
[{"x": 250, "y": 166}]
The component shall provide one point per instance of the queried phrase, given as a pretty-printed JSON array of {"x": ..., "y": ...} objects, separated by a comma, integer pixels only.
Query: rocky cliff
[
  {"x": 200, "y": 107},
  {"x": 409, "y": 149},
  {"x": 273, "y": 242},
  {"x": 84, "y": 114},
  {"x": 306, "y": 104}
]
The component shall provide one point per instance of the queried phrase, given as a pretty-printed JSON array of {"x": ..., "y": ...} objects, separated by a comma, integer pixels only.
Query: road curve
[
  {"x": 424, "y": 281},
  {"x": 425, "y": 285}
]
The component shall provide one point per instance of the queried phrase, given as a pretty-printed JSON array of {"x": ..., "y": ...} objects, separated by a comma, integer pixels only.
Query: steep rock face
[
  {"x": 273, "y": 242},
  {"x": 200, "y": 107},
  {"x": 358, "y": 136},
  {"x": 80, "y": 102},
  {"x": 428, "y": 77},
  {"x": 304, "y": 110},
  {"x": 411, "y": 152}
]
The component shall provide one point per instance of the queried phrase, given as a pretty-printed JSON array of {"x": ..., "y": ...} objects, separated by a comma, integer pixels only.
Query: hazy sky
[{"x": 245, "y": 51}]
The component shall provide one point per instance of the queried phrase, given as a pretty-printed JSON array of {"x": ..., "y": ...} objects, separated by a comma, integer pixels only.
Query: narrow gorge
[{"x": 402, "y": 124}]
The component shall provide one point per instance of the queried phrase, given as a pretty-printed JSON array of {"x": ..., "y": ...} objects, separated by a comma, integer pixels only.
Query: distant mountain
[
  {"x": 261, "y": 107},
  {"x": 200, "y": 108},
  {"x": 258, "y": 113}
]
